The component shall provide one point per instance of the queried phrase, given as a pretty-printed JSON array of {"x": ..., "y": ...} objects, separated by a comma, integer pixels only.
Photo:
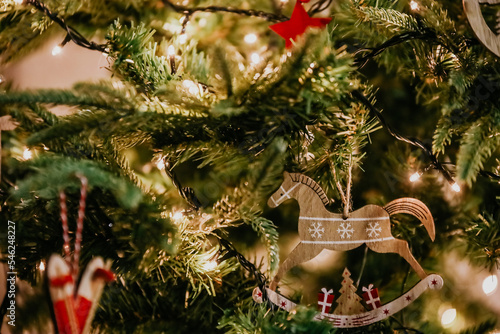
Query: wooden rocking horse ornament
[
  {"x": 473, "y": 11},
  {"x": 321, "y": 229}
]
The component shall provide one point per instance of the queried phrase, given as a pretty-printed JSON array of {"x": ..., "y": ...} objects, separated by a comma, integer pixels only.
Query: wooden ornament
[
  {"x": 371, "y": 297},
  {"x": 321, "y": 229},
  {"x": 325, "y": 300},
  {"x": 487, "y": 37},
  {"x": 365, "y": 318},
  {"x": 349, "y": 302}
]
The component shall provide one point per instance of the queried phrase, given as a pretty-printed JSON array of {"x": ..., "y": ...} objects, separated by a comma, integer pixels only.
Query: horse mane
[{"x": 306, "y": 180}]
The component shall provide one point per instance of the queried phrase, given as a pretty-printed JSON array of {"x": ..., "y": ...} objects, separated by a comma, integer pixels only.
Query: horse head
[{"x": 284, "y": 192}]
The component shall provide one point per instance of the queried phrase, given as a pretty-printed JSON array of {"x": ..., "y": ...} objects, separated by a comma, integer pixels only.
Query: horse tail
[{"x": 415, "y": 208}]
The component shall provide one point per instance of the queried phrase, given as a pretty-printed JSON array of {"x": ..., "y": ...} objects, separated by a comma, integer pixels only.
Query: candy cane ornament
[{"x": 75, "y": 306}]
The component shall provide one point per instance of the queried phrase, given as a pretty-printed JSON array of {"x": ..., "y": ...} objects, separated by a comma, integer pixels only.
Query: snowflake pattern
[
  {"x": 316, "y": 230},
  {"x": 373, "y": 230},
  {"x": 345, "y": 230}
]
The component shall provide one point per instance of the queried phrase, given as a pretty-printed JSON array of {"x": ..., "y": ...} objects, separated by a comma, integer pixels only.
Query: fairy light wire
[
  {"x": 412, "y": 141},
  {"x": 71, "y": 33},
  {"x": 228, "y": 250},
  {"x": 214, "y": 9}
]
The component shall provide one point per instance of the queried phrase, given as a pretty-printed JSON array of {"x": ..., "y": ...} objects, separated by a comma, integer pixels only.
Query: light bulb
[
  {"x": 414, "y": 5},
  {"x": 177, "y": 215},
  {"x": 415, "y": 177},
  {"x": 455, "y": 187},
  {"x": 202, "y": 22},
  {"x": 171, "y": 51},
  {"x": 160, "y": 165},
  {"x": 56, "y": 50},
  {"x": 210, "y": 265},
  {"x": 27, "y": 154},
  {"x": 490, "y": 284},
  {"x": 250, "y": 38},
  {"x": 183, "y": 39},
  {"x": 191, "y": 86},
  {"x": 42, "y": 266},
  {"x": 448, "y": 317},
  {"x": 255, "y": 58}
]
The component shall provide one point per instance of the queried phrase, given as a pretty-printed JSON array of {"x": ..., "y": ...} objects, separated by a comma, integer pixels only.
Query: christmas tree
[
  {"x": 348, "y": 301},
  {"x": 201, "y": 108}
]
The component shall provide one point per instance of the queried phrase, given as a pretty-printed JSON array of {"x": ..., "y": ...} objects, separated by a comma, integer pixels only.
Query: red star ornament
[{"x": 298, "y": 24}]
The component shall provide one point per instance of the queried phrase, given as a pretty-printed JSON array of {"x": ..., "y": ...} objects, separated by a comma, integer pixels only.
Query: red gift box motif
[
  {"x": 371, "y": 297},
  {"x": 325, "y": 301}
]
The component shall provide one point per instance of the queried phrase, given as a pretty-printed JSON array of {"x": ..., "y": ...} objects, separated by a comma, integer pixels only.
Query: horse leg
[
  {"x": 400, "y": 247},
  {"x": 301, "y": 253}
]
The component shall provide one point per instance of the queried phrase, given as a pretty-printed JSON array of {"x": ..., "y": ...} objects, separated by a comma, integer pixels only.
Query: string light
[
  {"x": 171, "y": 51},
  {"x": 255, "y": 58},
  {"x": 202, "y": 22},
  {"x": 490, "y": 284},
  {"x": 448, "y": 317},
  {"x": 456, "y": 188},
  {"x": 160, "y": 164},
  {"x": 42, "y": 266},
  {"x": 250, "y": 38},
  {"x": 414, "y": 5},
  {"x": 27, "y": 154},
  {"x": 210, "y": 265},
  {"x": 191, "y": 86},
  {"x": 57, "y": 50},
  {"x": 177, "y": 215},
  {"x": 182, "y": 38},
  {"x": 415, "y": 177}
]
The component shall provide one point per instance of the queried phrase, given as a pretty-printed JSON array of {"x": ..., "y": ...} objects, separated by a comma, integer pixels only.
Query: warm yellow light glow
[
  {"x": 183, "y": 39},
  {"x": 160, "y": 165},
  {"x": 171, "y": 50},
  {"x": 191, "y": 86},
  {"x": 18, "y": 2},
  {"x": 210, "y": 265},
  {"x": 414, "y": 5},
  {"x": 177, "y": 215},
  {"x": 56, "y": 50},
  {"x": 415, "y": 177},
  {"x": 42, "y": 266},
  {"x": 490, "y": 284},
  {"x": 448, "y": 317},
  {"x": 250, "y": 38},
  {"x": 27, "y": 154},
  {"x": 202, "y": 22},
  {"x": 255, "y": 58},
  {"x": 455, "y": 187}
]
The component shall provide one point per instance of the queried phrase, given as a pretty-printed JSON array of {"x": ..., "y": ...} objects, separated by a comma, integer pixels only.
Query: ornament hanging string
[{"x": 79, "y": 226}]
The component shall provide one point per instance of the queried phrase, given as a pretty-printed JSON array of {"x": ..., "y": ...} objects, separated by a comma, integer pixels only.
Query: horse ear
[{"x": 286, "y": 175}]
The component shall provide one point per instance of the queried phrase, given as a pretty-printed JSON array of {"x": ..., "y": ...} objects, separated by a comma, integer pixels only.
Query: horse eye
[{"x": 281, "y": 194}]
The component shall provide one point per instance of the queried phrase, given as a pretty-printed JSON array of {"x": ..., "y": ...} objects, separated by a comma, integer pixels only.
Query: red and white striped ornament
[{"x": 74, "y": 307}]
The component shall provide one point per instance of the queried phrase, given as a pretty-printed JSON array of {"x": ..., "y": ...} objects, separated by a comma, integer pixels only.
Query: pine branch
[{"x": 478, "y": 145}]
